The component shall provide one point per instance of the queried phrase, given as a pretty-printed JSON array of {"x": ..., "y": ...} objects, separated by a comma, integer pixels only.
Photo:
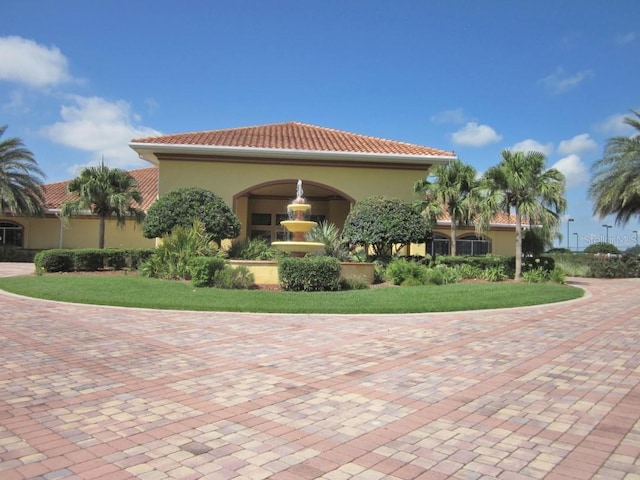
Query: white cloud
[
  {"x": 614, "y": 125},
  {"x": 26, "y": 62},
  {"x": 103, "y": 128},
  {"x": 623, "y": 39},
  {"x": 560, "y": 82},
  {"x": 574, "y": 170},
  {"x": 530, "y": 145},
  {"x": 576, "y": 145},
  {"x": 17, "y": 103},
  {"x": 474, "y": 135},
  {"x": 456, "y": 116}
]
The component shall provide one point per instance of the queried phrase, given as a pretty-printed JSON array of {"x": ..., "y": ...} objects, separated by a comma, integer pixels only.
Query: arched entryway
[{"x": 262, "y": 207}]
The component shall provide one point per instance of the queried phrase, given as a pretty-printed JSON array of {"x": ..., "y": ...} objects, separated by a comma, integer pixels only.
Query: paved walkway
[{"x": 549, "y": 392}]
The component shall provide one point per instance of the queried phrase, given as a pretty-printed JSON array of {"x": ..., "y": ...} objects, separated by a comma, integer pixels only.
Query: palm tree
[
  {"x": 521, "y": 182},
  {"x": 104, "y": 192},
  {"x": 20, "y": 179},
  {"x": 450, "y": 191},
  {"x": 615, "y": 185}
]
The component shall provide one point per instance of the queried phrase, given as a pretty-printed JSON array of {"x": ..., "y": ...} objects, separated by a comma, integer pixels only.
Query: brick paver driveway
[{"x": 548, "y": 392}]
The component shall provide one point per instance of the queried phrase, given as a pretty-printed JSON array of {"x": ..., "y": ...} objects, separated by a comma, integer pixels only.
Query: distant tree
[
  {"x": 105, "y": 192},
  {"x": 381, "y": 223},
  {"x": 602, "y": 247},
  {"x": 615, "y": 182},
  {"x": 521, "y": 182},
  {"x": 183, "y": 206},
  {"x": 635, "y": 250},
  {"x": 450, "y": 191},
  {"x": 20, "y": 178}
]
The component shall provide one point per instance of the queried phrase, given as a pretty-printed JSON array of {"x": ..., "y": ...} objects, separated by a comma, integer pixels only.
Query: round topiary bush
[{"x": 180, "y": 208}]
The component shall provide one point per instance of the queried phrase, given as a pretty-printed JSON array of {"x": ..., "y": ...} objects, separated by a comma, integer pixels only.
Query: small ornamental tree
[
  {"x": 183, "y": 206},
  {"x": 381, "y": 223}
]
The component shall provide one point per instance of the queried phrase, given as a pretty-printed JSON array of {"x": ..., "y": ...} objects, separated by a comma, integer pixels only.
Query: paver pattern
[{"x": 548, "y": 392}]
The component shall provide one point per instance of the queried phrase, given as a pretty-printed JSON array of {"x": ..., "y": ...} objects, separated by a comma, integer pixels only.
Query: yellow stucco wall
[
  {"x": 226, "y": 179},
  {"x": 44, "y": 233}
]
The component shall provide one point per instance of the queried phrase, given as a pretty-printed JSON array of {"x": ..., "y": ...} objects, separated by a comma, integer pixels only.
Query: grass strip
[{"x": 134, "y": 291}]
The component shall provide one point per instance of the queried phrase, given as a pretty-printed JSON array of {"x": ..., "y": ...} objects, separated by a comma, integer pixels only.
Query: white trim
[{"x": 147, "y": 151}]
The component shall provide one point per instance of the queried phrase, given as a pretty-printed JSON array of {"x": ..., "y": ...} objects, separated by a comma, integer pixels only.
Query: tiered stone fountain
[{"x": 298, "y": 226}]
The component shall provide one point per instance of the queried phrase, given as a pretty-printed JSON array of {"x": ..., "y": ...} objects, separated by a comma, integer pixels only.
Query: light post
[
  {"x": 569, "y": 220},
  {"x": 635, "y": 232},
  {"x": 577, "y": 246},
  {"x": 607, "y": 227}
]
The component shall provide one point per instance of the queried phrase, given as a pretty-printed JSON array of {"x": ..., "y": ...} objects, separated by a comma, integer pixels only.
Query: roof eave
[{"x": 147, "y": 151}]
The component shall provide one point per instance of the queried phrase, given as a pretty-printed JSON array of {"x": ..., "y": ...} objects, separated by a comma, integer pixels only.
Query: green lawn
[{"x": 134, "y": 291}]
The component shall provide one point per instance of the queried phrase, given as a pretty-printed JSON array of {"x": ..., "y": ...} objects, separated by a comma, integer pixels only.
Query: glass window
[
  {"x": 472, "y": 245},
  {"x": 261, "y": 219},
  {"x": 10, "y": 234},
  {"x": 438, "y": 245},
  {"x": 280, "y": 217}
]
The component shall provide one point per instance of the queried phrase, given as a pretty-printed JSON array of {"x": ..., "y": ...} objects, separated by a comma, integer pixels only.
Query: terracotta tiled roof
[
  {"x": 55, "y": 194},
  {"x": 295, "y": 136}
]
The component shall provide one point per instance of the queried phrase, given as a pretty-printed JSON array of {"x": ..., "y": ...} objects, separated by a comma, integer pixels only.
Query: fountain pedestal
[{"x": 298, "y": 246}]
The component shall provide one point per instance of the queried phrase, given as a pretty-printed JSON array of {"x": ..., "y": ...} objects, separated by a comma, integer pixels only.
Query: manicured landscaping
[{"x": 131, "y": 290}]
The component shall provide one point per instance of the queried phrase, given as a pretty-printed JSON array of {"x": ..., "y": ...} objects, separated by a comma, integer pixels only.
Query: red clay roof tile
[
  {"x": 295, "y": 136},
  {"x": 56, "y": 194}
]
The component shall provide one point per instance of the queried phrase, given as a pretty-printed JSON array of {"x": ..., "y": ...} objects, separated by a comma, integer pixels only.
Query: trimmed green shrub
[
  {"x": 9, "y": 253},
  {"x": 233, "y": 278},
  {"x": 88, "y": 260},
  {"x": 55, "y": 260},
  {"x": 602, "y": 247},
  {"x": 309, "y": 274},
  {"x": 203, "y": 270}
]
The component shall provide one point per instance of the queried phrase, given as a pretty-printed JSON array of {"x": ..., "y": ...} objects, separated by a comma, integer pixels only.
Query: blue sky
[{"x": 79, "y": 79}]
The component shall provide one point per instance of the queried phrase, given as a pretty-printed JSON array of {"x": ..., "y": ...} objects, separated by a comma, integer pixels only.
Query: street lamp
[
  {"x": 607, "y": 227},
  {"x": 577, "y": 247},
  {"x": 635, "y": 232},
  {"x": 569, "y": 220}
]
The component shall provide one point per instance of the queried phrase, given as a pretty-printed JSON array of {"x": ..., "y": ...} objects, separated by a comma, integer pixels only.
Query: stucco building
[{"x": 255, "y": 170}]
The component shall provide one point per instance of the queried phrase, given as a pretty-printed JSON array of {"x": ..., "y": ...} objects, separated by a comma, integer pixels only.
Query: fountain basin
[
  {"x": 298, "y": 247},
  {"x": 296, "y": 226}
]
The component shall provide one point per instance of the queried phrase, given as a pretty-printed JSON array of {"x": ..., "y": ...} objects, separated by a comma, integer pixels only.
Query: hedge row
[
  {"x": 599, "y": 266},
  {"x": 90, "y": 260},
  {"x": 508, "y": 264}
]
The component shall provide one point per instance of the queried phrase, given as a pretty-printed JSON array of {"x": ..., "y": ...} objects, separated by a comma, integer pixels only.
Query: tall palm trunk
[
  {"x": 518, "y": 272},
  {"x": 454, "y": 234}
]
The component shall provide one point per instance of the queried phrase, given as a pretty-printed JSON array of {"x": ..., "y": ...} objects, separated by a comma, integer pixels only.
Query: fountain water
[{"x": 298, "y": 226}]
